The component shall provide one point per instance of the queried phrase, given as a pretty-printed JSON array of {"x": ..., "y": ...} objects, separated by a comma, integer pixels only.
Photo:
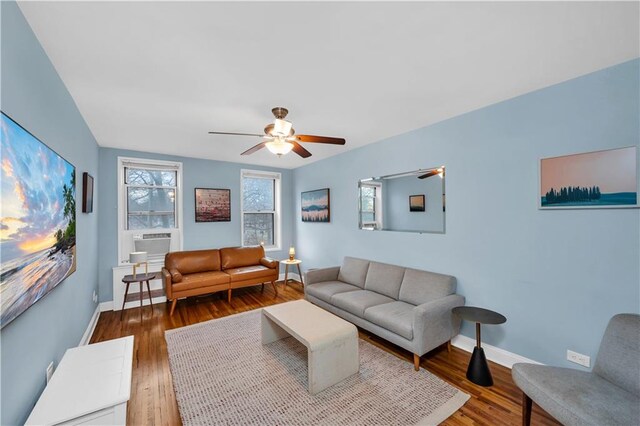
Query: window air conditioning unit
[{"x": 156, "y": 245}]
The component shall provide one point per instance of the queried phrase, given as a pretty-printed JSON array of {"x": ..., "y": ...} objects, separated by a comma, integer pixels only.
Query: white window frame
[
  {"x": 277, "y": 212},
  {"x": 377, "y": 206},
  {"x": 123, "y": 232}
]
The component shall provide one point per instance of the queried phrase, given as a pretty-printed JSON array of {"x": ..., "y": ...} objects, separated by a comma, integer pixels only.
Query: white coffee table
[{"x": 332, "y": 343}]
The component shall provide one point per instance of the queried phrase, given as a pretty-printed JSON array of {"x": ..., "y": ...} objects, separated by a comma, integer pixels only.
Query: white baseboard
[
  {"x": 493, "y": 353},
  {"x": 106, "y": 306},
  {"x": 292, "y": 276},
  {"x": 86, "y": 337}
]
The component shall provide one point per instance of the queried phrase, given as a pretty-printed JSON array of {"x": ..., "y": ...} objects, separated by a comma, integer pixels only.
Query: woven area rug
[{"x": 222, "y": 374}]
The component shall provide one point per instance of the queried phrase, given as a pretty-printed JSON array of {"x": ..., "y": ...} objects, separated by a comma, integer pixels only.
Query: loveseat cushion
[
  {"x": 353, "y": 271},
  {"x": 420, "y": 287},
  {"x": 190, "y": 262},
  {"x": 577, "y": 397},
  {"x": 357, "y": 301},
  {"x": 324, "y": 290},
  {"x": 250, "y": 273},
  {"x": 384, "y": 279},
  {"x": 201, "y": 279},
  {"x": 394, "y": 316},
  {"x": 237, "y": 257}
]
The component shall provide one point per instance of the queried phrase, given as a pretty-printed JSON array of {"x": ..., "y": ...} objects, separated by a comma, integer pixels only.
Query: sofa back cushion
[
  {"x": 353, "y": 271},
  {"x": 189, "y": 262},
  {"x": 420, "y": 287},
  {"x": 237, "y": 257},
  {"x": 384, "y": 279}
]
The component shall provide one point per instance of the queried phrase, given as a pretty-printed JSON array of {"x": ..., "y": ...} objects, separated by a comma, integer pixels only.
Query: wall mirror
[{"x": 405, "y": 202}]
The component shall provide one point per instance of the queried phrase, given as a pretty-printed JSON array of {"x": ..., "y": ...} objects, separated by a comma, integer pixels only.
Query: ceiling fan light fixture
[
  {"x": 279, "y": 146},
  {"x": 281, "y": 127}
]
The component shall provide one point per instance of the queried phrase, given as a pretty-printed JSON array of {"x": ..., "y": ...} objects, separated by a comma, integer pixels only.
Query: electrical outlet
[
  {"x": 94, "y": 297},
  {"x": 49, "y": 371},
  {"x": 583, "y": 360}
]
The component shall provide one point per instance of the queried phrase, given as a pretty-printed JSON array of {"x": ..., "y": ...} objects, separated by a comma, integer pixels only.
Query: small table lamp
[
  {"x": 292, "y": 253},
  {"x": 137, "y": 258}
]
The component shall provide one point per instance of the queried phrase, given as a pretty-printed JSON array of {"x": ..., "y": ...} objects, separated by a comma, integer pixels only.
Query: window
[
  {"x": 371, "y": 205},
  {"x": 151, "y": 197},
  {"x": 260, "y": 208}
]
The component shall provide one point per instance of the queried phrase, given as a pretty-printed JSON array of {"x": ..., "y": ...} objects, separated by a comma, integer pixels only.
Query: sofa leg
[
  {"x": 449, "y": 346},
  {"x": 526, "y": 410},
  {"x": 262, "y": 288},
  {"x": 273, "y": 283},
  {"x": 416, "y": 362},
  {"x": 229, "y": 295},
  {"x": 173, "y": 307}
]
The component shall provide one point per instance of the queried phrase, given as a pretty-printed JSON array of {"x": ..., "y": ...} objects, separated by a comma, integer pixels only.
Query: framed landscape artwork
[
  {"x": 416, "y": 203},
  {"x": 38, "y": 222},
  {"x": 316, "y": 206},
  {"x": 213, "y": 205},
  {"x": 599, "y": 179}
]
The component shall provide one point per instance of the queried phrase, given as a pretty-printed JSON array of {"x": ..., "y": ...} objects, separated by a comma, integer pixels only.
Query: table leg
[
  {"x": 478, "y": 371},
  {"x": 300, "y": 273},
  {"x": 124, "y": 300},
  {"x": 149, "y": 293},
  {"x": 286, "y": 274}
]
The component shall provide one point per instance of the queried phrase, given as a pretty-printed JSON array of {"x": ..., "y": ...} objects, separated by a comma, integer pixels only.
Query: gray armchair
[{"x": 610, "y": 395}]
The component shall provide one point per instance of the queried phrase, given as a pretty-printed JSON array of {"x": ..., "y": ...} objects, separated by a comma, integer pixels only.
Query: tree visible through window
[
  {"x": 151, "y": 198},
  {"x": 259, "y": 209}
]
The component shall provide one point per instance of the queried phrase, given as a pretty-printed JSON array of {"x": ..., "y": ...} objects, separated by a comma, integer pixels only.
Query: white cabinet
[{"x": 91, "y": 385}]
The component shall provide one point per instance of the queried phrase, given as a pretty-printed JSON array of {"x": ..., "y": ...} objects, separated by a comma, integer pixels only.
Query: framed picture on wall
[
  {"x": 316, "y": 206},
  {"x": 416, "y": 203},
  {"x": 87, "y": 193},
  {"x": 213, "y": 205},
  {"x": 599, "y": 179}
]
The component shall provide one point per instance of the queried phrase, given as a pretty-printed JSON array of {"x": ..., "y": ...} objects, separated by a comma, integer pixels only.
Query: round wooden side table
[
  {"x": 139, "y": 278},
  {"x": 478, "y": 371},
  {"x": 288, "y": 263}
]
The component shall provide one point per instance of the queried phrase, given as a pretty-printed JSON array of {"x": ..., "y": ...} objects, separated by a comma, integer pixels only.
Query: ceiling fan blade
[
  {"x": 320, "y": 139},
  {"x": 300, "y": 150},
  {"x": 254, "y": 148},
  {"x": 236, "y": 134},
  {"x": 429, "y": 174}
]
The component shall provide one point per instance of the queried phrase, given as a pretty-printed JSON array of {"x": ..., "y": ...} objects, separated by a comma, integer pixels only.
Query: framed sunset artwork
[{"x": 599, "y": 179}]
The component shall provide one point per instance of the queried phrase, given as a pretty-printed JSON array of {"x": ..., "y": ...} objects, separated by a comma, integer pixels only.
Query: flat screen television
[{"x": 37, "y": 220}]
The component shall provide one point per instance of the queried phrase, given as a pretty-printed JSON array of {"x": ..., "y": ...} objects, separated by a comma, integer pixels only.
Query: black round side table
[
  {"x": 478, "y": 371},
  {"x": 139, "y": 278}
]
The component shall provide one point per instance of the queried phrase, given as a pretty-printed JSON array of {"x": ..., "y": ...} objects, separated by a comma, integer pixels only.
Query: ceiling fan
[
  {"x": 438, "y": 171},
  {"x": 280, "y": 138}
]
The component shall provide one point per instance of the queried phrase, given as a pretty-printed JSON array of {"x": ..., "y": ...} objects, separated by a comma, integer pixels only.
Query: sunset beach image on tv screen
[{"x": 37, "y": 220}]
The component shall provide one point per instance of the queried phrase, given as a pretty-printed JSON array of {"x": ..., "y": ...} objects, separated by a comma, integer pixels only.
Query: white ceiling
[{"x": 156, "y": 76}]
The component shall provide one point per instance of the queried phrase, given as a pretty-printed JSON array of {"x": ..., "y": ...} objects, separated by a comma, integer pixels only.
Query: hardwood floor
[{"x": 153, "y": 401}]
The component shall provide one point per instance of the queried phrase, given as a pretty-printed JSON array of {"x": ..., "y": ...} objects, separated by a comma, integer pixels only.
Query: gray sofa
[
  {"x": 610, "y": 395},
  {"x": 408, "y": 307}
]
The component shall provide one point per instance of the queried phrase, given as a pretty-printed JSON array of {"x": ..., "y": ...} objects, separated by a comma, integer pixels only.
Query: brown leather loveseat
[{"x": 196, "y": 272}]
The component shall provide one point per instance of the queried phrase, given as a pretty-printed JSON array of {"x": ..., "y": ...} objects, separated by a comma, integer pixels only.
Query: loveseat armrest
[
  {"x": 269, "y": 262},
  {"x": 166, "y": 280},
  {"x": 434, "y": 323},
  {"x": 323, "y": 274}
]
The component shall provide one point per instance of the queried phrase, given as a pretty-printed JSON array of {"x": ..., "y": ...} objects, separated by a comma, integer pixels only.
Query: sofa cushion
[
  {"x": 357, "y": 301},
  {"x": 237, "y": 257},
  {"x": 201, "y": 279},
  {"x": 384, "y": 279},
  {"x": 353, "y": 271},
  {"x": 189, "y": 262},
  {"x": 577, "y": 397},
  {"x": 420, "y": 287},
  {"x": 250, "y": 273},
  {"x": 394, "y": 316},
  {"x": 324, "y": 290}
]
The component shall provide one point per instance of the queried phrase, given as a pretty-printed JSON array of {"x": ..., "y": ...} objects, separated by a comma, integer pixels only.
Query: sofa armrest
[
  {"x": 166, "y": 280},
  {"x": 176, "y": 276},
  {"x": 435, "y": 324},
  {"x": 323, "y": 274},
  {"x": 269, "y": 262}
]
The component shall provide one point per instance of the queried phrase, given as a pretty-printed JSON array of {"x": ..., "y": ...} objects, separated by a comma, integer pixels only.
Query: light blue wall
[
  {"x": 196, "y": 174},
  {"x": 558, "y": 276},
  {"x": 397, "y": 215},
  {"x": 34, "y": 95}
]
